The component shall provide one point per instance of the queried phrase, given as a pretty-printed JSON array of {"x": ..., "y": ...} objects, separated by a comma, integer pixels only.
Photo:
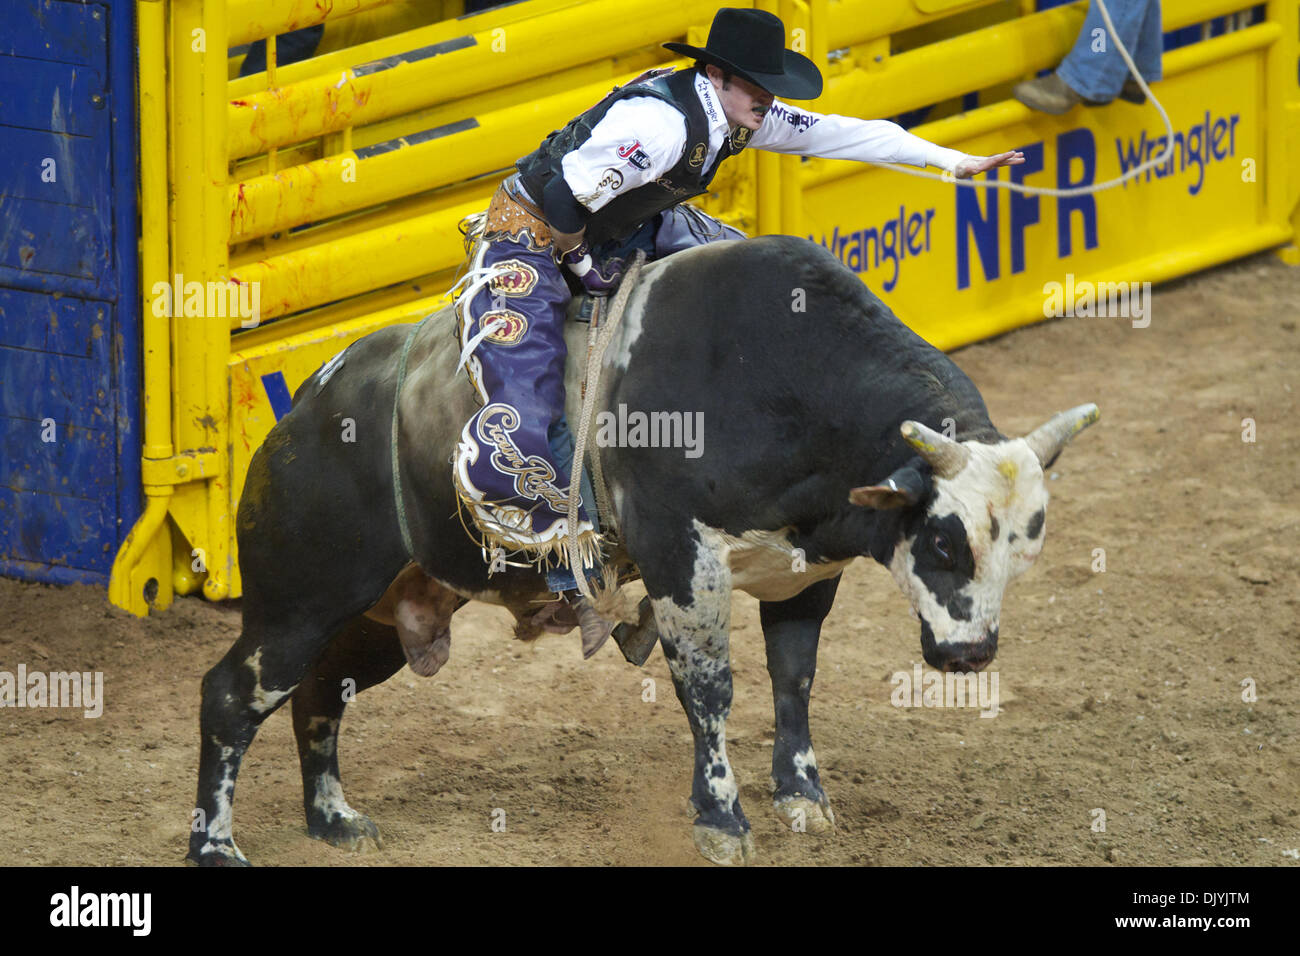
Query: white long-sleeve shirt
[{"x": 642, "y": 137}]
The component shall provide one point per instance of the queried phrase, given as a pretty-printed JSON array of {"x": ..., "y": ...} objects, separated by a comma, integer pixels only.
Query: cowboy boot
[
  {"x": 1132, "y": 93},
  {"x": 1129, "y": 93},
  {"x": 1047, "y": 94},
  {"x": 595, "y": 629}
]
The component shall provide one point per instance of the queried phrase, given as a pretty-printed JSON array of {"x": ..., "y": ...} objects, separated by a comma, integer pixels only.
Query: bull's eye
[{"x": 943, "y": 548}]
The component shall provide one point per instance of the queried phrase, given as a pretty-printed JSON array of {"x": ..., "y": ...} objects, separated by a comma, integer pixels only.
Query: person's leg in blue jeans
[
  {"x": 560, "y": 441},
  {"x": 1099, "y": 76},
  {"x": 1094, "y": 72}
]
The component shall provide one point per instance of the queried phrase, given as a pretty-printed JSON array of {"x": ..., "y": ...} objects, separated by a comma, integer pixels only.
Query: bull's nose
[{"x": 958, "y": 658}]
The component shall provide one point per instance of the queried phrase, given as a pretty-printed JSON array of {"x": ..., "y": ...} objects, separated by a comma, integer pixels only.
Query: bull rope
[
  {"x": 595, "y": 356},
  {"x": 1076, "y": 190},
  {"x": 603, "y": 507}
]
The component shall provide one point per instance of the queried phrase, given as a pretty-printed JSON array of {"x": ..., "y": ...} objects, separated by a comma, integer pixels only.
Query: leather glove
[{"x": 599, "y": 280}]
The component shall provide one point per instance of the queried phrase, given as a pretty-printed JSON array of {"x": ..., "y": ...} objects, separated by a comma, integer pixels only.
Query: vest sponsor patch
[
  {"x": 519, "y": 281},
  {"x": 640, "y": 159},
  {"x": 510, "y": 333},
  {"x": 665, "y": 183},
  {"x": 705, "y": 88},
  {"x": 697, "y": 155}
]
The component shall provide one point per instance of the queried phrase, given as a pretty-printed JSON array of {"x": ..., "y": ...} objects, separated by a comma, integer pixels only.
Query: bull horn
[
  {"x": 946, "y": 457},
  {"x": 1047, "y": 440}
]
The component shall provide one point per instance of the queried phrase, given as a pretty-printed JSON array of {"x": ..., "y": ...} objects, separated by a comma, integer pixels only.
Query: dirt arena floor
[{"x": 1120, "y": 690}]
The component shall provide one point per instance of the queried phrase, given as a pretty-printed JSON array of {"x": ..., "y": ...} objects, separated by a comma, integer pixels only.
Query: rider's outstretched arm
[{"x": 792, "y": 129}]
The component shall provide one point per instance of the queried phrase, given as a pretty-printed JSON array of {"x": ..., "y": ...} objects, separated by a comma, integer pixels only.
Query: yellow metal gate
[{"x": 287, "y": 213}]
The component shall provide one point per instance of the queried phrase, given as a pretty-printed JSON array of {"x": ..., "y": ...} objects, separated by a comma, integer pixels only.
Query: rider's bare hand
[{"x": 973, "y": 165}]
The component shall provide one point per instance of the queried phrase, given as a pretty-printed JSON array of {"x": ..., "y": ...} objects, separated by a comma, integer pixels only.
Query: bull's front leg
[
  {"x": 695, "y": 638},
  {"x": 791, "y": 629}
]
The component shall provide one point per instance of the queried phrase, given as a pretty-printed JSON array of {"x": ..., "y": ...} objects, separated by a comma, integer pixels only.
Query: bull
[{"x": 832, "y": 432}]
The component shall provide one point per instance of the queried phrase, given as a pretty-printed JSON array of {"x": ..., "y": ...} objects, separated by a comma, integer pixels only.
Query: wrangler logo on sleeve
[{"x": 799, "y": 120}]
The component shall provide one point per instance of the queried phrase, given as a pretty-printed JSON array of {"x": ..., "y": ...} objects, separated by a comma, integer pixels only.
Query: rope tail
[{"x": 594, "y": 360}]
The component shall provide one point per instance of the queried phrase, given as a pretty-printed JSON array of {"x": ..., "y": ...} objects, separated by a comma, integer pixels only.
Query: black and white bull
[{"x": 824, "y": 441}]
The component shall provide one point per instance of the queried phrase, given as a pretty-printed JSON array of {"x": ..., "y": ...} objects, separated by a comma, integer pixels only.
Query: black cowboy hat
[{"x": 751, "y": 44}]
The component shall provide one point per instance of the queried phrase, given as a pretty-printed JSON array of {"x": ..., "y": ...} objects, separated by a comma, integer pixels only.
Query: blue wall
[{"x": 69, "y": 300}]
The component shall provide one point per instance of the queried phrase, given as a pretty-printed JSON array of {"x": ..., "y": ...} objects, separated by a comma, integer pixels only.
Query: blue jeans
[
  {"x": 560, "y": 440},
  {"x": 1100, "y": 75}
]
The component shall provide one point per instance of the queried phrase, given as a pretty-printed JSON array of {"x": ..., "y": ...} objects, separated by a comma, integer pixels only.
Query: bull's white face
[{"x": 978, "y": 530}]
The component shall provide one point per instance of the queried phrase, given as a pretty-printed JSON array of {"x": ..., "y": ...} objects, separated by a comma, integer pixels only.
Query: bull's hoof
[
  {"x": 356, "y": 834},
  {"x": 723, "y": 848},
  {"x": 216, "y": 854},
  {"x": 805, "y": 815}
]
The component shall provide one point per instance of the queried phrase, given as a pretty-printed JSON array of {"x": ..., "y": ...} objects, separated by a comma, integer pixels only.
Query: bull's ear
[{"x": 904, "y": 488}]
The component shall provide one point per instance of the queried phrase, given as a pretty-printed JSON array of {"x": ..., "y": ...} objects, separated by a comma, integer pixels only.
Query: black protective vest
[{"x": 621, "y": 216}]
